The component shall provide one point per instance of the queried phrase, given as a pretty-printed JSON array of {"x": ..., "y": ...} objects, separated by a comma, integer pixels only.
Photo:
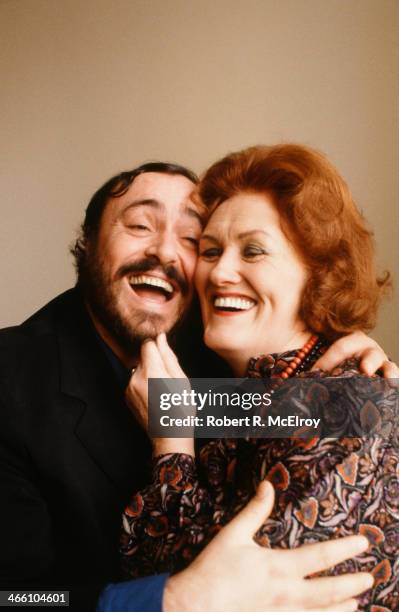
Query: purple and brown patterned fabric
[{"x": 325, "y": 488}]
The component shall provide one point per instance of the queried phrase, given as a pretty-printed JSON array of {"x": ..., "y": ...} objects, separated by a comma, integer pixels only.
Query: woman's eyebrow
[
  {"x": 251, "y": 232},
  {"x": 209, "y": 237},
  {"x": 241, "y": 235}
]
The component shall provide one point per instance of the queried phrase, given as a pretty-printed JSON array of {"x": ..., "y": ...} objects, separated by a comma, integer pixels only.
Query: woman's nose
[
  {"x": 225, "y": 271},
  {"x": 164, "y": 248}
]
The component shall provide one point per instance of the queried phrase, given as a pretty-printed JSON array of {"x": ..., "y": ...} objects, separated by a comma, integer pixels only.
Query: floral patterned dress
[{"x": 325, "y": 488}]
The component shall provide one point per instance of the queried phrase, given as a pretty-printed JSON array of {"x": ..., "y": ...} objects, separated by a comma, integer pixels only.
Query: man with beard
[{"x": 71, "y": 452}]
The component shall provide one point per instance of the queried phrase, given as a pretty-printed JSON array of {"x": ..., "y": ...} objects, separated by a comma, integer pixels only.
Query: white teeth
[
  {"x": 234, "y": 302},
  {"x": 151, "y": 280}
]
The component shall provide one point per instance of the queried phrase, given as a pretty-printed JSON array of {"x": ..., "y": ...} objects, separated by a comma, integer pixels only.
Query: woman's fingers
[
  {"x": 150, "y": 366},
  {"x": 136, "y": 395},
  {"x": 157, "y": 360},
  {"x": 169, "y": 358},
  {"x": 151, "y": 360}
]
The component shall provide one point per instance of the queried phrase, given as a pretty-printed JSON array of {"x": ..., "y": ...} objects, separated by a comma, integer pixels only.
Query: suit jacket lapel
[{"x": 105, "y": 426}]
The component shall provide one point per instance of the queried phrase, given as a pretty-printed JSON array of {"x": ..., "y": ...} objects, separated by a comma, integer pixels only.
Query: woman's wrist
[{"x": 165, "y": 446}]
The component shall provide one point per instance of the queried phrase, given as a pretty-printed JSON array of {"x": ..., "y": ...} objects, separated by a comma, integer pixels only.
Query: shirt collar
[{"x": 121, "y": 372}]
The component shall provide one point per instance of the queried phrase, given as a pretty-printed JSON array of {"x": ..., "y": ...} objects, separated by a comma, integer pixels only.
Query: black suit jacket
[{"x": 71, "y": 454}]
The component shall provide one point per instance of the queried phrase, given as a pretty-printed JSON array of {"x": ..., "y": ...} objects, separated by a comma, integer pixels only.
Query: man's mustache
[{"x": 152, "y": 263}]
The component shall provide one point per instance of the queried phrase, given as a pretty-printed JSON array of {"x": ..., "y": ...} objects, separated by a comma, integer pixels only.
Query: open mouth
[
  {"x": 232, "y": 304},
  {"x": 152, "y": 288}
]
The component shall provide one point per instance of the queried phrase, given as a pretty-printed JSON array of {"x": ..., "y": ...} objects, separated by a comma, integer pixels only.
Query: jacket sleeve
[{"x": 169, "y": 522}]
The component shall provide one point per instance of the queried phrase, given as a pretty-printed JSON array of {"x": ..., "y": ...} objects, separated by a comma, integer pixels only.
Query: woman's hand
[
  {"x": 157, "y": 360},
  {"x": 361, "y": 346}
]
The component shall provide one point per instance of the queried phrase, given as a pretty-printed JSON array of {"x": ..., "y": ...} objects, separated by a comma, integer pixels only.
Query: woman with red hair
[{"x": 286, "y": 266}]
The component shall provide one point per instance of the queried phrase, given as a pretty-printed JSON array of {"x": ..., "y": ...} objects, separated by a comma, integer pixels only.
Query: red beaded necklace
[{"x": 290, "y": 369}]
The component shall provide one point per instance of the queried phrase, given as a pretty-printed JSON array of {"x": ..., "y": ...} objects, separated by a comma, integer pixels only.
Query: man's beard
[{"x": 98, "y": 290}]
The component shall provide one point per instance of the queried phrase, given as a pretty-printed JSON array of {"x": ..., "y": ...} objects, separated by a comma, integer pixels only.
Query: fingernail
[
  {"x": 265, "y": 489},
  {"x": 362, "y": 543},
  {"x": 369, "y": 581}
]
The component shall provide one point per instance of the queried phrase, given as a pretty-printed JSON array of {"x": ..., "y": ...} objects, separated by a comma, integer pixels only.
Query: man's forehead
[
  {"x": 166, "y": 192},
  {"x": 161, "y": 186}
]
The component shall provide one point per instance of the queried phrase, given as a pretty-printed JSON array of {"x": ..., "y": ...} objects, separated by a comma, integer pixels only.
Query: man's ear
[{"x": 79, "y": 250}]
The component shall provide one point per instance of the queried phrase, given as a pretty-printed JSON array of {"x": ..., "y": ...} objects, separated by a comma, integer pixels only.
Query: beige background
[{"x": 91, "y": 87}]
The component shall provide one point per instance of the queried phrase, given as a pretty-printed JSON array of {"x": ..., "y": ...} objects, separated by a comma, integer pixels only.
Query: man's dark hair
[{"x": 114, "y": 188}]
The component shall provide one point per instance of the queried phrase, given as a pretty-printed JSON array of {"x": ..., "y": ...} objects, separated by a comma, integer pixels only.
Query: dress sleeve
[{"x": 167, "y": 524}]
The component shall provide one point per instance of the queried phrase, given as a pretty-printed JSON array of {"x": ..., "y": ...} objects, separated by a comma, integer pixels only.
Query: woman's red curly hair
[{"x": 320, "y": 217}]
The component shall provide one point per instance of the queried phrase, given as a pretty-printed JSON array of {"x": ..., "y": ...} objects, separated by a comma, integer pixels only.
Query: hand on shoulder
[{"x": 370, "y": 355}]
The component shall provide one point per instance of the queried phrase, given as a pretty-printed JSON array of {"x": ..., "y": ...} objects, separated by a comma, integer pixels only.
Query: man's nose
[
  {"x": 225, "y": 270},
  {"x": 164, "y": 248}
]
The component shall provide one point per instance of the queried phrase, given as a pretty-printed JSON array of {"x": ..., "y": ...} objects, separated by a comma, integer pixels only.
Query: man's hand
[
  {"x": 236, "y": 574},
  {"x": 357, "y": 344}
]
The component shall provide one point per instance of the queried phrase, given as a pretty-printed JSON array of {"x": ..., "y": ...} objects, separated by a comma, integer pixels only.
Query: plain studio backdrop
[{"x": 93, "y": 87}]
